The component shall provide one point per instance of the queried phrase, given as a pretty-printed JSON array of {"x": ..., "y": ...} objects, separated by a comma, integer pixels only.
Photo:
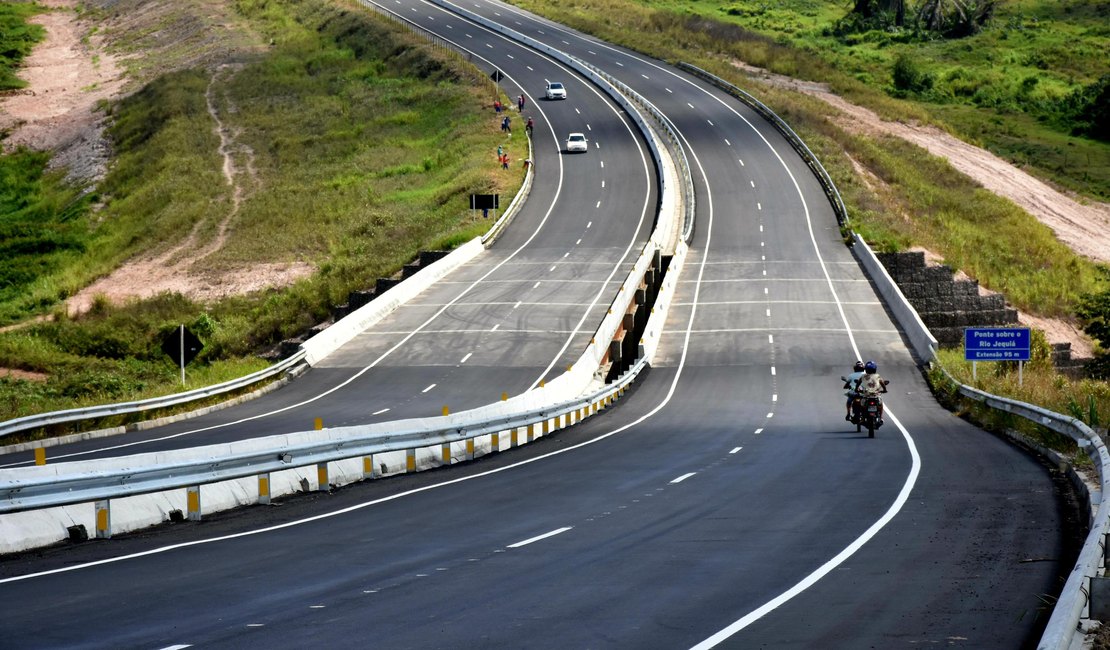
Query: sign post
[
  {"x": 182, "y": 346},
  {"x": 997, "y": 344}
]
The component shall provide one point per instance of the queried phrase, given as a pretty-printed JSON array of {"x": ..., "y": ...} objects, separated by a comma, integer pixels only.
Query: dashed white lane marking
[
  {"x": 510, "y": 56},
  {"x": 557, "y": 531},
  {"x": 538, "y": 30},
  {"x": 768, "y": 312},
  {"x": 762, "y": 244},
  {"x": 619, "y": 63},
  {"x": 176, "y": 647},
  {"x": 530, "y": 69},
  {"x": 772, "y": 371},
  {"x": 450, "y": 27},
  {"x": 752, "y": 182},
  {"x": 741, "y": 162},
  {"x": 383, "y": 410},
  {"x": 727, "y": 142},
  {"x": 602, "y": 162},
  {"x": 760, "y": 227},
  {"x": 589, "y": 224},
  {"x": 669, "y": 90},
  {"x": 577, "y": 111},
  {"x": 566, "y": 42},
  {"x": 489, "y": 46},
  {"x": 603, "y": 184},
  {"x": 517, "y": 304},
  {"x": 598, "y": 204},
  {"x": 689, "y": 104},
  {"x": 770, "y": 415},
  {"x": 644, "y": 76},
  {"x": 578, "y": 242},
  {"x": 774, "y": 398},
  {"x": 771, "y": 338},
  {"x": 494, "y": 328},
  {"x": 710, "y": 122},
  {"x": 566, "y": 254},
  {"x": 469, "y": 36},
  {"x": 256, "y": 625},
  {"x": 589, "y": 128},
  {"x": 553, "y": 267},
  {"x": 683, "y": 477},
  {"x": 536, "y": 285},
  {"x": 316, "y": 606},
  {"x": 469, "y": 354},
  {"x": 766, "y": 291},
  {"x": 758, "y": 431},
  {"x": 428, "y": 388},
  {"x": 758, "y": 206},
  {"x": 735, "y": 449},
  {"x": 592, "y": 52}
]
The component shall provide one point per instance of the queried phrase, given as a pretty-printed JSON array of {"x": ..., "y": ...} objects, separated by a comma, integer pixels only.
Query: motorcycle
[{"x": 866, "y": 410}]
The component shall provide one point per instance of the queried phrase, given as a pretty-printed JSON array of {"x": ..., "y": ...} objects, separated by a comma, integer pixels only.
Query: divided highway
[{"x": 723, "y": 502}]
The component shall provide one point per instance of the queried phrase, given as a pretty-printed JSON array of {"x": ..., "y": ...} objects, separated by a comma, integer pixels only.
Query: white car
[
  {"x": 577, "y": 142},
  {"x": 555, "y": 90}
]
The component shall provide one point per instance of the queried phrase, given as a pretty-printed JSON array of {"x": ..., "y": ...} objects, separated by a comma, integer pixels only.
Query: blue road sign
[{"x": 996, "y": 344}]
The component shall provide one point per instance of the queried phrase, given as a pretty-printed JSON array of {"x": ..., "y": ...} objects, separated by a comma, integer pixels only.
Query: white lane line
[
  {"x": 689, "y": 104},
  {"x": 428, "y": 388},
  {"x": 489, "y": 46},
  {"x": 530, "y": 68},
  {"x": 603, "y": 184},
  {"x": 771, "y": 339},
  {"x": 669, "y": 90},
  {"x": 758, "y": 431},
  {"x": 741, "y": 162},
  {"x": 494, "y": 328},
  {"x": 316, "y": 606},
  {"x": 603, "y": 164},
  {"x": 644, "y": 76},
  {"x": 469, "y": 36},
  {"x": 379, "y": 412},
  {"x": 727, "y": 142},
  {"x": 469, "y": 354},
  {"x": 536, "y": 285},
  {"x": 510, "y": 56},
  {"x": 589, "y": 224},
  {"x": 177, "y": 647},
  {"x": 770, "y": 415},
  {"x": 766, "y": 291},
  {"x": 589, "y": 128},
  {"x": 768, "y": 313},
  {"x": 592, "y": 52},
  {"x": 762, "y": 244},
  {"x": 256, "y": 625},
  {"x": 760, "y": 225},
  {"x": 557, "y": 531},
  {"x": 566, "y": 42},
  {"x": 752, "y": 182},
  {"x": 517, "y": 304},
  {"x": 566, "y": 254},
  {"x": 774, "y": 398},
  {"x": 710, "y": 122},
  {"x": 578, "y": 242},
  {"x": 577, "y": 111},
  {"x": 683, "y": 477},
  {"x": 735, "y": 449},
  {"x": 772, "y": 371},
  {"x": 758, "y": 206},
  {"x": 598, "y": 204},
  {"x": 553, "y": 267},
  {"x": 619, "y": 63}
]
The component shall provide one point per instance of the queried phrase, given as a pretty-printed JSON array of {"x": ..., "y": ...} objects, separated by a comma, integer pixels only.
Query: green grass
[
  {"x": 17, "y": 37},
  {"x": 364, "y": 142}
]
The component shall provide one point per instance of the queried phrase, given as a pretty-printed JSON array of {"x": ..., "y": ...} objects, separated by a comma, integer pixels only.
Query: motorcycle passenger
[
  {"x": 871, "y": 384},
  {"x": 850, "y": 385}
]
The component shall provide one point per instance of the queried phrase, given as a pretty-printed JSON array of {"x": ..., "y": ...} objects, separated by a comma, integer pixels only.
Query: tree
[{"x": 955, "y": 18}]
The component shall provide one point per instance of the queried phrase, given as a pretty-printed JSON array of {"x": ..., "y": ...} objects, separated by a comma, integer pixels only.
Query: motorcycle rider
[
  {"x": 871, "y": 384},
  {"x": 850, "y": 385}
]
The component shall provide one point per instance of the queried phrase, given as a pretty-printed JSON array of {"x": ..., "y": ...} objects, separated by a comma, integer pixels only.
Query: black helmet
[
  {"x": 870, "y": 366},
  {"x": 857, "y": 366}
]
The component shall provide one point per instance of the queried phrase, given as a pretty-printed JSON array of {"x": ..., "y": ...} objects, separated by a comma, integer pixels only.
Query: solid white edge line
[
  {"x": 557, "y": 531},
  {"x": 836, "y": 560}
]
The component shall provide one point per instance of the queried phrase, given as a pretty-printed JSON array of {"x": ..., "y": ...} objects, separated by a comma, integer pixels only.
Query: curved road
[{"x": 723, "y": 502}]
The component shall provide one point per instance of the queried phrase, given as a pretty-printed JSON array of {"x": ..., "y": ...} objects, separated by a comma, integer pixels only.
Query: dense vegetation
[{"x": 363, "y": 143}]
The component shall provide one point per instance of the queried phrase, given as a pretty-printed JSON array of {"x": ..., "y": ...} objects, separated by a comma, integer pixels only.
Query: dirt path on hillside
[
  {"x": 1082, "y": 226},
  {"x": 67, "y": 75}
]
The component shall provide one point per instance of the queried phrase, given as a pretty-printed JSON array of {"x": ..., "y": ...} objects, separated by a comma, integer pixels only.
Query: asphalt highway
[{"x": 724, "y": 502}]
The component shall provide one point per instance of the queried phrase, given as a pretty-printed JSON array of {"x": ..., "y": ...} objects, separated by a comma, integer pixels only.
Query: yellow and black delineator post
[
  {"x": 192, "y": 501},
  {"x": 264, "y": 488},
  {"x": 40, "y": 455},
  {"x": 103, "y": 519}
]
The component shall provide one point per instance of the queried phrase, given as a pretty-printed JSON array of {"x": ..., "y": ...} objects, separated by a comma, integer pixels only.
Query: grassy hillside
[
  {"x": 17, "y": 37},
  {"x": 362, "y": 142}
]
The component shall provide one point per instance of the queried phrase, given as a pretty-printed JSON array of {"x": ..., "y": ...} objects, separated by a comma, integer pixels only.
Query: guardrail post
[
  {"x": 192, "y": 502},
  {"x": 410, "y": 460},
  {"x": 103, "y": 519},
  {"x": 368, "y": 466},
  {"x": 470, "y": 448},
  {"x": 40, "y": 455},
  {"x": 531, "y": 432},
  {"x": 513, "y": 438},
  {"x": 323, "y": 484},
  {"x": 445, "y": 450},
  {"x": 264, "y": 488},
  {"x": 495, "y": 442},
  {"x": 546, "y": 427},
  {"x": 318, "y": 424}
]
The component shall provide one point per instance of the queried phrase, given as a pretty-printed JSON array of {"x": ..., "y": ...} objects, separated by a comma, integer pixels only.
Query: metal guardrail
[
  {"x": 1064, "y": 621},
  {"x": 784, "y": 128},
  {"x": 155, "y": 403},
  {"x": 85, "y": 485}
]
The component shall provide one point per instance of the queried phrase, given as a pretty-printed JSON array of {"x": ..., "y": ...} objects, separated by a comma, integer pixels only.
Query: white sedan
[
  {"x": 577, "y": 142},
  {"x": 555, "y": 90}
]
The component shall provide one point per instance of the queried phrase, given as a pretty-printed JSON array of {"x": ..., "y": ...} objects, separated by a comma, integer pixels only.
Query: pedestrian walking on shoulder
[
  {"x": 520, "y": 103},
  {"x": 505, "y": 162},
  {"x": 528, "y": 127},
  {"x": 497, "y": 106},
  {"x": 506, "y": 125}
]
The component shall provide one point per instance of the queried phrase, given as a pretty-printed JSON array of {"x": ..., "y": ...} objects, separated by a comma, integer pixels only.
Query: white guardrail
[
  {"x": 1063, "y": 625},
  {"x": 29, "y": 492}
]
